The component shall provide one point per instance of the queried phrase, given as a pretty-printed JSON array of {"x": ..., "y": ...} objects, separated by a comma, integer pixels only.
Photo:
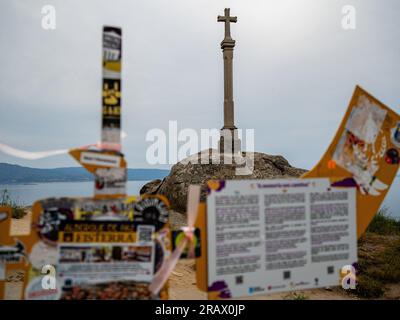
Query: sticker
[
  {"x": 42, "y": 254},
  {"x": 112, "y": 106},
  {"x": 221, "y": 289},
  {"x": 21, "y": 227},
  {"x": 2, "y": 270},
  {"x": 110, "y": 181},
  {"x": 104, "y": 210},
  {"x": 14, "y": 285},
  {"x": 366, "y": 120},
  {"x": 112, "y": 44},
  {"x": 145, "y": 233},
  {"x": 179, "y": 235},
  {"x": 12, "y": 253},
  {"x": 392, "y": 156},
  {"x": 363, "y": 145},
  {"x": 396, "y": 135},
  {"x": 3, "y": 216},
  {"x": 111, "y": 118},
  {"x": 89, "y": 251},
  {"x": 151, "y": 210},
  {"x": 99, "y": 159},
  {"x": 50, "y": 220},
  {"x": 97, "y": 231},
  {"x": 35, "y": 291}
]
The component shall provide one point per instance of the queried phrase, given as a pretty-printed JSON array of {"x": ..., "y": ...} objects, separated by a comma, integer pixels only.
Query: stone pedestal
[{"x": 229, "y": 141}]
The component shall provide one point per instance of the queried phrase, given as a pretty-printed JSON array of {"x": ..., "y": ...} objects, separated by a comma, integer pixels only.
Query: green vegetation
[
  {"x": 379, "y": 265},
  {"x": 18, "y": 211},
  {"x": 384, "y": 224},
  {"x": 378, "y": 256},
  {"x": 295, "y": 296}
]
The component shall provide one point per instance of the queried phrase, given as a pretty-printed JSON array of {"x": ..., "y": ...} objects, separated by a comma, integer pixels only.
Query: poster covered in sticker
[
  {"x": 54, "y": 212},
  {"x": 101, "y": 260},
  {"x": 111, "y": 117},
  {"x": 151, "y": 210},
  {"x": 363, "y": 146}
]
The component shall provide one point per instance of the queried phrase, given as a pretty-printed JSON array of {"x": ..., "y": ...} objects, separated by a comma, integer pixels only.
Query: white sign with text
[{"x": 268, "y": 236}]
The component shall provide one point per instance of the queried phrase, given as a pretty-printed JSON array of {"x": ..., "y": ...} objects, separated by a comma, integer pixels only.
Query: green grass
[
  {"x": 368, "y": 287},
  {"x": 295, "y": 296},
  {"x": 378, "y": 256},
  {"x": 384, "y": 224},
  {"x": 18, "y": 211},
  {"x": 379, "y": 265}
]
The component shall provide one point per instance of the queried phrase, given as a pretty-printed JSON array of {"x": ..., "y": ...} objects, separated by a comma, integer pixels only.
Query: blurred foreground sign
[
  {"x": 98, "y": 248},
  {"x": 278, "y": 235},
  {"x": 365, "y": 153}
]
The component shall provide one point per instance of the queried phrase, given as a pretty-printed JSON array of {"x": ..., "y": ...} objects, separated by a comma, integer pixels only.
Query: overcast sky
[{"x": 295, "y": 69}]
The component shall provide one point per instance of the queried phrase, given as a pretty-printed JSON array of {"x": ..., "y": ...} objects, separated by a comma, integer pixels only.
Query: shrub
[
  {"x": 384, "y": 224},
  {"x": 18, "y": 211}
]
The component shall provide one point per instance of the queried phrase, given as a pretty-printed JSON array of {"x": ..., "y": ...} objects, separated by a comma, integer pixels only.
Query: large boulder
[
  {"x": 151, "y": 187},
  {"x": 204, "y": 166}
]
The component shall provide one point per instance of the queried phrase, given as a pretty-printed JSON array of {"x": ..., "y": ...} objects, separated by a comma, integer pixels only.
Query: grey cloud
[{"x": 294, "y": 71}]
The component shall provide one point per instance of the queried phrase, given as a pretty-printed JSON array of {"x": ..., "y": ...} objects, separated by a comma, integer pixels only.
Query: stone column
[{"x": 229, "y": 142}]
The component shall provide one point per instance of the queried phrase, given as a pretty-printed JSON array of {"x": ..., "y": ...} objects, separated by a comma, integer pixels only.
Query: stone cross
[
  {"x": 227, "y": 46},
  {"x": 227, "y": 19},
  {"x": 229, "y": 129}
]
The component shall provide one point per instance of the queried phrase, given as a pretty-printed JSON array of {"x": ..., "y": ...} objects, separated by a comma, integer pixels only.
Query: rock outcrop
[{"x": 204, "y": 166}]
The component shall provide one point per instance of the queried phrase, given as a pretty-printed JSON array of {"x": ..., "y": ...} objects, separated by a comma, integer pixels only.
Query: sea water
[{"x": 26, "y": 194}]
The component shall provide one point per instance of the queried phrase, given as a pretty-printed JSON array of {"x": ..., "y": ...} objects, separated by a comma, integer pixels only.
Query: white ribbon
[
  {"x": 29, "y": 155},
  {"x": 163, "y": 273}
]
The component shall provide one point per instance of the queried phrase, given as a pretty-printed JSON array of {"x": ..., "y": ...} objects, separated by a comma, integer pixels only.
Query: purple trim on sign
[{"x": 348, "y": 182}]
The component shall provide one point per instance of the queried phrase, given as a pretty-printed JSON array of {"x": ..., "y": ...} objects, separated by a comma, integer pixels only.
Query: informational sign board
[
  {"x": 98, "y": 249},
  {"x": 278, "y": 235}
]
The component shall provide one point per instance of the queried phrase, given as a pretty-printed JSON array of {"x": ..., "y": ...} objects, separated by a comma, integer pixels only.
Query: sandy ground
[
  {"x": 183, "y": 279},
  {"x": 183, "y": 287},
  {"x": 182, "y": 284}
]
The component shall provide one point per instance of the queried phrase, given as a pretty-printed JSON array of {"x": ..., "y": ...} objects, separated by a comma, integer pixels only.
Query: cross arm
[{"x": 221, "y": 19}]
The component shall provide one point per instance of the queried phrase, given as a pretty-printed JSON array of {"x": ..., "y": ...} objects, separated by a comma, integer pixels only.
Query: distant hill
[{"x": 11, "y": 173}]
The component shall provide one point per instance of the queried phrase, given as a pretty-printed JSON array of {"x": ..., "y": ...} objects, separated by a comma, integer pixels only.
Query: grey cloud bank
[{"x": 295, "y": 69}]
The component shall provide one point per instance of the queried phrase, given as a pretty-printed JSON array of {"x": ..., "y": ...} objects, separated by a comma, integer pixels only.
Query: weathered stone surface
[
  {"x": 201, "y": 167},
  {"x": 151, "y": 187}
]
